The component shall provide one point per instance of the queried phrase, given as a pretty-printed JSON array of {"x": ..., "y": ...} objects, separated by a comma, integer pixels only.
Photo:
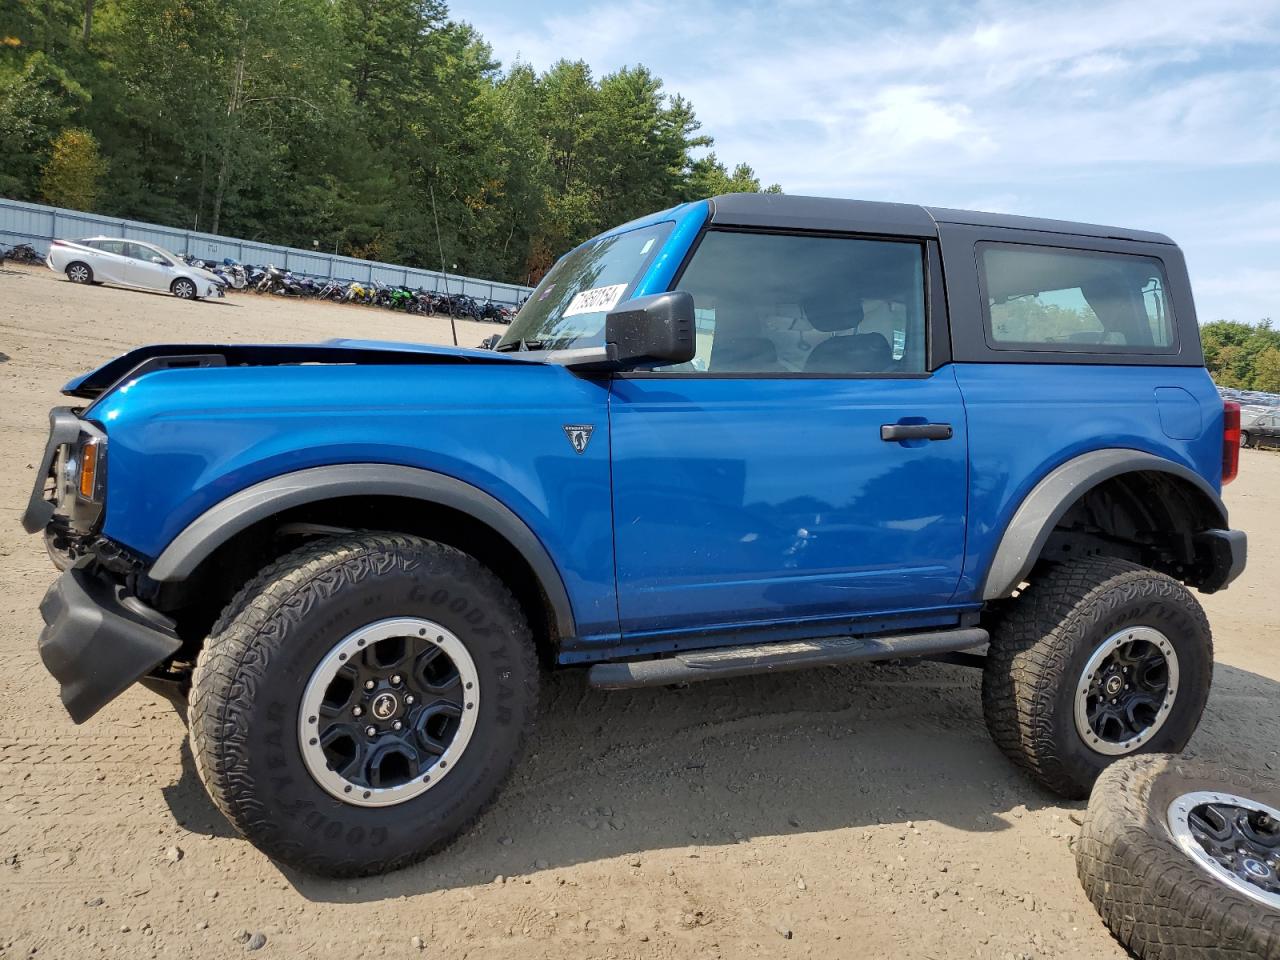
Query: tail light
[{"x": 1230, "y": 440}]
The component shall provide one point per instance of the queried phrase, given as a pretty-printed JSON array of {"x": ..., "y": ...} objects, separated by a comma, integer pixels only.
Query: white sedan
[{"x": 130, "y": 263}]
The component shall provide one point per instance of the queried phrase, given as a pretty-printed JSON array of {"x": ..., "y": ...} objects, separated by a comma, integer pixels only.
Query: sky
[{"x": 1155, "y": 115}]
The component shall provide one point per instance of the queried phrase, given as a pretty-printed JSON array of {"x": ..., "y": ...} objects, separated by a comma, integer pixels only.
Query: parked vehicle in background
[
  {"x": 131, "y": 263},
  {"x": 749, "y": 434},
  {"x": 1262, "y": 431},
  {"x": 1251, "y": 398}
]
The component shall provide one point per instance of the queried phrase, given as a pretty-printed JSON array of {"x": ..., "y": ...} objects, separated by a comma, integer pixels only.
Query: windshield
[{"x": 567, "y": 309}]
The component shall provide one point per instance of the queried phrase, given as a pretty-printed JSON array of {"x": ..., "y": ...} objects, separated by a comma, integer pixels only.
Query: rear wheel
[
  {"x": 1096, "y": 659},
  {"x": 361, "y": 701},
  {"x": 184, "y": 289},
  {"x": 78, "y": 272},
  {"x": 1245, "y": 439}
]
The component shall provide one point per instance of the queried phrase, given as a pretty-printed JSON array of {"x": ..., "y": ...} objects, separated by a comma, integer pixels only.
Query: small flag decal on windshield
[{"x": 579, "y": 435}]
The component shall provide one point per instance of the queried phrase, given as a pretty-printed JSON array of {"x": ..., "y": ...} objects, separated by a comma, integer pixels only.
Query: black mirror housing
[{"x": 653, "y": 330}]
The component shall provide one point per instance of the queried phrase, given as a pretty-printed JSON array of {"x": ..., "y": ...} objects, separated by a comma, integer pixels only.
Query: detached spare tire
[{"x": 1182, "y": 859}]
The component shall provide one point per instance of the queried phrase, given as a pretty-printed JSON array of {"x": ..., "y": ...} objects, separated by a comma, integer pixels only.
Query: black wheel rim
[
  {"x": 1234, "y": 838},
  {"x": 388, "y": 711},
  {"x": 1126, "y": 691}
]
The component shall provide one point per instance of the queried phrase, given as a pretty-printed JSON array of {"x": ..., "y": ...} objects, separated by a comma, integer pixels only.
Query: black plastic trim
[
  {"x": 772, "y": 375},
  {"x": 794, "y": 212},
  {"x": 95, "y": 645},
  {"x": 966, "y": 304},
  {"x": 1228, "y": 551},
  {"x": 64, "y": 428},
  {"x": 726, "y": 662},
  {"x": 789, "y": 212},
  {"x": 1049, "y": 500},
  {"x": 223, "y": 520},
  {"x": 938, "y": 335}
]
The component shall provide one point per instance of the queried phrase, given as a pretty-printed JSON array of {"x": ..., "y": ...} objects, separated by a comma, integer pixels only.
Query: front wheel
[
  {"x": 184, "y": 289},
  {"x": 361, "y": 701},
  {"x": 1097, "y": 659},
  {"x": 1245, "y": 439}
]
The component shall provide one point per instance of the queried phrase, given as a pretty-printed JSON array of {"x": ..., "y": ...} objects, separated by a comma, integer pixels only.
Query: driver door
[{"x": 768, "y": 482}]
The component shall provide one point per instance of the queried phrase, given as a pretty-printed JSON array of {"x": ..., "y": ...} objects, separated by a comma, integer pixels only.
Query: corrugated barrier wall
[{"x": 37, "y": 224}]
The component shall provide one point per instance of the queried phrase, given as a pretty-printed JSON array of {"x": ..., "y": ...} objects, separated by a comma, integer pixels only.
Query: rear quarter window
[{"x": 1054, "y": 299}]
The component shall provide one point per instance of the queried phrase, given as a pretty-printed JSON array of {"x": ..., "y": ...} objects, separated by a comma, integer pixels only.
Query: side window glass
[
  {"x": 789, "y": 304},
  {"x": 112, "y": 246},
  {"x": 1046, "y": 298}
]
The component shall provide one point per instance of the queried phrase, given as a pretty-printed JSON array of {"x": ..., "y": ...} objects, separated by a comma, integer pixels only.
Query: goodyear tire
[
  {"x": 1096, "y": 659},
  {"x": 361, "y": 701},
  {"x": 1157, "y": 857}
]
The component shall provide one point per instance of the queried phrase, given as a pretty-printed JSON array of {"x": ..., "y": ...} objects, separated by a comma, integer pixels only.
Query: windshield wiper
[{"x": 521, "y": 345}]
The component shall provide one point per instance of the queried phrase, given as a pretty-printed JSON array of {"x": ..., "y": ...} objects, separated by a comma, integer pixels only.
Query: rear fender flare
[{"x": 1053, "y": 496}]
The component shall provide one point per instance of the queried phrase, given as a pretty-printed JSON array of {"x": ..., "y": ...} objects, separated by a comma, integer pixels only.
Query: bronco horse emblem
[{"x": 579, "y": 435}]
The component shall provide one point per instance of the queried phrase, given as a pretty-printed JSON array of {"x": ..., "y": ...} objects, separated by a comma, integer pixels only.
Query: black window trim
[
  {"x": 937, "y": 337},
  {"x": 1087, "y": 349}
]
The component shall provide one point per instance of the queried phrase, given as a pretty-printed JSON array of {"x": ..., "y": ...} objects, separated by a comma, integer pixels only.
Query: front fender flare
[
  {"x": 1050, "y": 499},
  {"x": 225, "y": 519}
]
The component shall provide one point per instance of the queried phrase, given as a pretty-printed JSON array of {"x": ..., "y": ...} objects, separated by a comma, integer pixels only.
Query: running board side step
[{"x": 717, "y": 664}]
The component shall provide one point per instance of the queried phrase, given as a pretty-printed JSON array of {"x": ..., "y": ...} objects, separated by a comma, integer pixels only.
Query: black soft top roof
[{"x": 888, "y": 219}]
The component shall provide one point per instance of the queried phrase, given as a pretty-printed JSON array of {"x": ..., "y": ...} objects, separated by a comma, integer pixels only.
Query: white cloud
[
  {"x": 1253, "y": 293},
  {"x": 1163, "y": 116}
]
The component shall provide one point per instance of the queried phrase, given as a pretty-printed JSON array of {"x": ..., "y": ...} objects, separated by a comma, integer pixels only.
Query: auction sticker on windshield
[{"x": 595, "y": 299}]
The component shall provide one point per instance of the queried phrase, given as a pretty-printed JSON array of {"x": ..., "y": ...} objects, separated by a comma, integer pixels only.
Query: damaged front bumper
[{"x": 98, "y": 641}]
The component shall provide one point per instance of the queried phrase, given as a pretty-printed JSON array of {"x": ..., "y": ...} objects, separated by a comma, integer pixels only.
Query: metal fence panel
[{"x": 37, "y": 225}]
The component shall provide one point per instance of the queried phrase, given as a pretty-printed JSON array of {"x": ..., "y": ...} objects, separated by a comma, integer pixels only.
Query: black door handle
[{"x": 915, "y": 431}]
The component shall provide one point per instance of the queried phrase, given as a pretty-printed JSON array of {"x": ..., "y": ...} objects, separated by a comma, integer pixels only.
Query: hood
[{"x": 170, "y": 356}]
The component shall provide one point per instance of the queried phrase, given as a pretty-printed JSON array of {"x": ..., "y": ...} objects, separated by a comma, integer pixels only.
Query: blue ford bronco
[{"x": 748, "y": 434}]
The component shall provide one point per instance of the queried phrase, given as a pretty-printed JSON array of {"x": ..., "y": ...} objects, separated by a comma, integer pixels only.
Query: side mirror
[
  {"x": 652, "y": 331},
  {"x": 158, "y": 259}
]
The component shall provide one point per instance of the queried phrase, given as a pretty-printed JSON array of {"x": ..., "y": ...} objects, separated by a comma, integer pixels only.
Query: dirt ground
[{"x": 857, "y": 812}]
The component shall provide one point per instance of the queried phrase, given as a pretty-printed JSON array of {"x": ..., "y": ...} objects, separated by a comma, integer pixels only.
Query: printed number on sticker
[{"x": 595, "y": 299}]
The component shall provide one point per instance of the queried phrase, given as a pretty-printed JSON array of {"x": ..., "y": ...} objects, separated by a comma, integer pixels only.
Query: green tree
[
  {"x": 1242, "y": 355},
  {"x": 1266, "y": 370},
  {"x": 36, "y": 101},
  {"x": 709, "y": 177},
  {"x": 375, "y": 127},
  {"x": 72, "y": 176}
]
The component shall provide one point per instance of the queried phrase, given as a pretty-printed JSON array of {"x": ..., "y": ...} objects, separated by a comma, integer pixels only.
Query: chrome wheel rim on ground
[
  {"x": 1235, "y": 839},
  {"x": 388, "y": 712},
  {"x": 78, "y": 274},
  {"x": 1126, "y": 690}
]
